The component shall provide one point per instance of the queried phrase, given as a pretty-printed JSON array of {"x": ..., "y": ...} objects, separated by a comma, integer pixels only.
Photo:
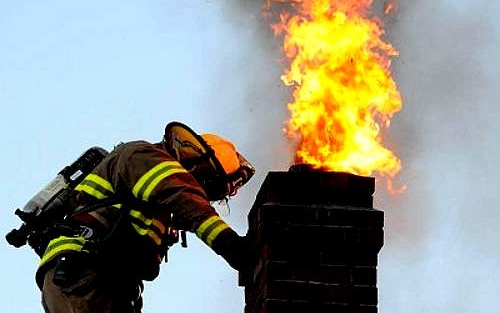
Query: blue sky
[
  {"x": 78, "y": 74},
  {"x": 75, "y": 75}
]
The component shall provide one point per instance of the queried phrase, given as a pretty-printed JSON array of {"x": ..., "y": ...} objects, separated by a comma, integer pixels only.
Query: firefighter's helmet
[{"x": 212, "y": 160}]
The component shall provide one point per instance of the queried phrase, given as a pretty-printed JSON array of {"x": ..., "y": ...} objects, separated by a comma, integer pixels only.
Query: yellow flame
[{"x": 343, "y": 92}]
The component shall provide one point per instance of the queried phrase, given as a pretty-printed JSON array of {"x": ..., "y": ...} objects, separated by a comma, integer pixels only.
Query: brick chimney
[{"x": 317, "y": 240}]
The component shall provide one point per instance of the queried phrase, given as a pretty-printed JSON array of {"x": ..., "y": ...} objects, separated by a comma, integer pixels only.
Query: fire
[{"x": 343, "y": 92}]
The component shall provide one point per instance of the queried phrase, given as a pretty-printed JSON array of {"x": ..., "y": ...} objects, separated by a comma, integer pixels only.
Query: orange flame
[{"x": 343, "y": 93}]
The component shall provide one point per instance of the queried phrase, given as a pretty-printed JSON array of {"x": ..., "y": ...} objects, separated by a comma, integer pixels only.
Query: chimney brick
[{"x": 316, "y": 241}]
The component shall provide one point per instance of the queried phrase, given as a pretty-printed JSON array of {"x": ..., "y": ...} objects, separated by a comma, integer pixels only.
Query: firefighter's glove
[{"x": 235, "y": 249}]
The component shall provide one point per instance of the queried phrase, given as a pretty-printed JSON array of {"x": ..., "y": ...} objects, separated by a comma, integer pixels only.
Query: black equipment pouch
[{"x": 69, "y": 269}]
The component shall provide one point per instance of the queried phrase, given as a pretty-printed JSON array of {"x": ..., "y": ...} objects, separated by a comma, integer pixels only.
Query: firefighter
[{"x": 129, "y": 211}]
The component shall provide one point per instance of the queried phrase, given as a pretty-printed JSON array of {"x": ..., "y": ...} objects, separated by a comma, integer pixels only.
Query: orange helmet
[
  {"x": 211, "y": 159},
  {"x": 224, "y": 151}
]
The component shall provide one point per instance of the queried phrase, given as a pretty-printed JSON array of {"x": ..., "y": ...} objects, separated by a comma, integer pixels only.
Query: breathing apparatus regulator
[{"x": 48, "y": 206}]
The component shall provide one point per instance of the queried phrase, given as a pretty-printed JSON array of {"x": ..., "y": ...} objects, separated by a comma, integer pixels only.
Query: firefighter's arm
[
  {"x": 224, "y": 241},
  {"x": 192, "y": 211},
  {"x": 164, "y": 184}
]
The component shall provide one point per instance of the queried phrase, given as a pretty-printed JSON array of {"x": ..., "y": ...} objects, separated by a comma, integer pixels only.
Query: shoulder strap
[{"x": 101, "y": 204}]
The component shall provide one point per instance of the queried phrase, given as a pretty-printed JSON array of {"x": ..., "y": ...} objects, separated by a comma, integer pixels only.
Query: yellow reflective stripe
[
  {"x": 91, "y": 191},
  {"x": 61, "y": 244},
  {"x": 159, "y": 178},
  {"x": 206, "y": 224},
  {"x": 100, "y": 181},
  {"x": 154, "y": 236},
  {"x": 96, "y": 186},
  {"x": 138, "y": 215},
  {"x": 159, "y": 225},
  {"x": 151, "y": 234},
  {"x": 150, "y": 180},
  {"x": 210, "y": 229},
  {"x": 139, "y": 230},
  {"x": 145, "y": 228},
  {"x": 215, "y": 232}
]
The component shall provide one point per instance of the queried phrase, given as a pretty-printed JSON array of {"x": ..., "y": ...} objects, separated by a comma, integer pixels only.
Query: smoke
[
  {"x": 440, "y": 233},
  {"x": 265, "y": 96},
  {"x": 441, "y": 252},
  {"x": 258, "y": 116}
]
